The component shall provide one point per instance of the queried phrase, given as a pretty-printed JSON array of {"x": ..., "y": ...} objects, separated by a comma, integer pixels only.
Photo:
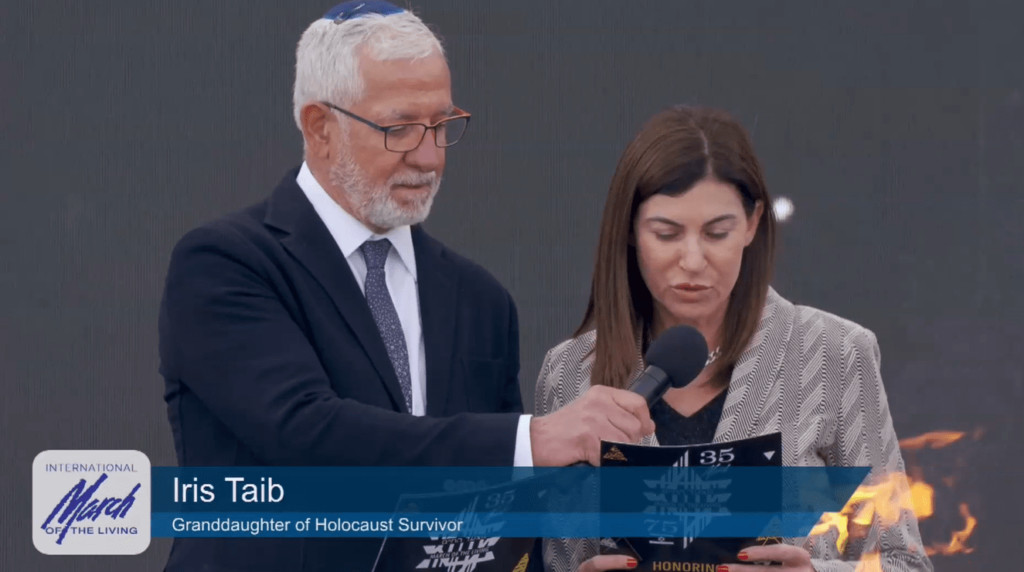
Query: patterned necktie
[{"x": 375, "y": 252}]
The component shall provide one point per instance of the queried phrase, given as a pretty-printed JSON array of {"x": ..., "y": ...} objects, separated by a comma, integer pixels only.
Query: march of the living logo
[
  {"x": 91, "y": 501},
  {"x": 82, "y": 505}
]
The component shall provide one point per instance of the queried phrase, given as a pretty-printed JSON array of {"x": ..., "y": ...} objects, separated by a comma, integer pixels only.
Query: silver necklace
[{"x": 713, "y": 356}]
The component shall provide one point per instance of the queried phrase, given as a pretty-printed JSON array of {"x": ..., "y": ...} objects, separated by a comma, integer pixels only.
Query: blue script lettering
[{"x": 79, "y": 505}]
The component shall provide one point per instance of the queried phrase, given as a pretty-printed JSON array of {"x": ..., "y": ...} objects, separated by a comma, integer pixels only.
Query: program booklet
[
  {"x": 675, "y": 543},
  {"x": 478, "y": 545}
]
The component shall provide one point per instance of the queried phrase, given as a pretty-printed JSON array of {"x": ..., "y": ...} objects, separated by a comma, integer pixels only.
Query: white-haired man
[{"x": 323, "y": 326}]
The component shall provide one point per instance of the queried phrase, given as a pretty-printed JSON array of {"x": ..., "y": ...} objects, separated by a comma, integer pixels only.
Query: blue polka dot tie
[{"x": 375, "y": 252}]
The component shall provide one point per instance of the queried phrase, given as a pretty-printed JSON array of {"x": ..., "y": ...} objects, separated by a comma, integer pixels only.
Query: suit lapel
[
  {"x": 309, "y": 241},
  {"x": 752, "y": 404},
  {"x": 438, "y": 283}
]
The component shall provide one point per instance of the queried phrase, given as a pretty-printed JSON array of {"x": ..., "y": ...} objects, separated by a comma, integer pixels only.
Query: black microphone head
[{"x": 680, "y": 352}]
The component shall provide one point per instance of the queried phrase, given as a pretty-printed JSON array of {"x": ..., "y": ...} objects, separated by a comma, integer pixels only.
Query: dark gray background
[{"x": 897, "y": 129}]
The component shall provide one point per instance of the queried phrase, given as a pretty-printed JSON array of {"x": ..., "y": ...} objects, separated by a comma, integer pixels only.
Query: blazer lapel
[
  {"x": 438, "y": 286},
  {"x": 752, "y": 403},
  {"x": 309, "y": 241}
]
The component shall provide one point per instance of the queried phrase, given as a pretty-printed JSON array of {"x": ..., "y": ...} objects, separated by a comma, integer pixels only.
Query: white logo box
[{"x": 91, "y": 502}]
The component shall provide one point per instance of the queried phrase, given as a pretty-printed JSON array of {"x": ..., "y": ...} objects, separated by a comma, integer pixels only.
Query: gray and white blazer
[{"x": 806, "y": 373}]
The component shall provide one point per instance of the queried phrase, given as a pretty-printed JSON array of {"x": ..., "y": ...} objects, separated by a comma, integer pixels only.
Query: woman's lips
[{"x": 687, "y": 287}]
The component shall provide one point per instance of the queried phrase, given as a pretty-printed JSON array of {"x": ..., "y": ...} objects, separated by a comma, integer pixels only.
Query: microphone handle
[{"x": 652, "y": 384}]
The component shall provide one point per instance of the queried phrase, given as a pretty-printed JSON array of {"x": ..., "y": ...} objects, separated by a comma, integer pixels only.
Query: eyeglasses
[{"x": 405, "y": 137}]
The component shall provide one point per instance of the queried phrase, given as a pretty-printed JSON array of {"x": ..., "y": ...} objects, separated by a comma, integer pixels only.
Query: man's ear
[{"x": 316, "y": 123}]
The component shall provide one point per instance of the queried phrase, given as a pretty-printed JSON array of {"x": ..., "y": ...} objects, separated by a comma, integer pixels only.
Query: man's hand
[{"x": 574, "y": 433}]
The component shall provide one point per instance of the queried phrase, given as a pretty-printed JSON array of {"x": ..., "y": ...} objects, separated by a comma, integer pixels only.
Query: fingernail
[
  {"x": 743, "y": 556},
  {"x": 631, "y": 563}
]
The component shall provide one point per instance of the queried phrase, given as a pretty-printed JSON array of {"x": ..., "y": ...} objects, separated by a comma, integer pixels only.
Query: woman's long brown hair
[{"x": 675, "y": 149}]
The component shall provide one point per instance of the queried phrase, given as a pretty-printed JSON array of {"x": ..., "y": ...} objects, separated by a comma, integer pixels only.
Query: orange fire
[
  {"x": 933, "y": 440},
  {"x": 899, "y": 492},
  {"x": 958, "y": 542}
]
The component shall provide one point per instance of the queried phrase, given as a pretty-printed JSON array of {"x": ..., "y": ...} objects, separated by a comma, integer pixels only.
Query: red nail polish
[
  {"x": 743, "y": 556},
  {"x": 631, "y": 563}
]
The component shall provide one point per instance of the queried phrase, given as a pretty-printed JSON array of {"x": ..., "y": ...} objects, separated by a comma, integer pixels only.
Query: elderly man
[{"x": 324, "y": 327}]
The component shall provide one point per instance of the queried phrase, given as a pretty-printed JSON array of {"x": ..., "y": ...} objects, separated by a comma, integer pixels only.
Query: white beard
[{"x": 374, "y": 204}]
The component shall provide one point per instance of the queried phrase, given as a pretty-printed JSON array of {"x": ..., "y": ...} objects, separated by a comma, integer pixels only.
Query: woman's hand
[
  {"x": 793, "y": 559},
  {"x": 608, "y": 562}
]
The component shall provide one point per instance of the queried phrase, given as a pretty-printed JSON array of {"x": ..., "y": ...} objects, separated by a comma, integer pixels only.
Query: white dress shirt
[{"x": 400, "y": 276}]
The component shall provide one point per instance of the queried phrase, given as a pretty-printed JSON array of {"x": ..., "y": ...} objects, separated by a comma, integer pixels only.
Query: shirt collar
[{"x": 346, "y": 230}]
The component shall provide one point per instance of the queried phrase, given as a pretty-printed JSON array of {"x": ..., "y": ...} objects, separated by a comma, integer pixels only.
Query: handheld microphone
[{"x": 673, "y": 360}]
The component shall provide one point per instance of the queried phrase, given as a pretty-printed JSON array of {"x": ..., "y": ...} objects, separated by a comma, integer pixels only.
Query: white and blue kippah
[{"x": 352, "y": 10}]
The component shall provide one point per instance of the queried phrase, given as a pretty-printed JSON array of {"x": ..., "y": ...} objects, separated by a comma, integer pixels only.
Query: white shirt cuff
[{"x": 524, "y": 447}]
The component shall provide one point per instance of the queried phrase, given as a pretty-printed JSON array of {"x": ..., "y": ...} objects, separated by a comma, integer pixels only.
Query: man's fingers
[
  {"x": 628, "y": 400},
  {"x": 615, "y": 423},
  {"x": 627, "y": 424},
  {"x": 574, "y": 433},
  {"x": 637, "y": 407}
]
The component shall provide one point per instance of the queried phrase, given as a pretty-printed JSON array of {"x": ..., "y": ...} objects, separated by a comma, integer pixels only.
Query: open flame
[
  {"x": 899, "y": 492},
  {"x": 958, "y": 541},
  {"x": 933, "y": 440}
]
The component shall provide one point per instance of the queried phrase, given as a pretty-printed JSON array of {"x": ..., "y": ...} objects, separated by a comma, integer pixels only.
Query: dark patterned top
[{"x": 674, "y": 428}]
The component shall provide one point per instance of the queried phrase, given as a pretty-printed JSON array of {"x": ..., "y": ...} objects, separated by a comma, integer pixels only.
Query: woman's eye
[{"x": 718, "y": 235}]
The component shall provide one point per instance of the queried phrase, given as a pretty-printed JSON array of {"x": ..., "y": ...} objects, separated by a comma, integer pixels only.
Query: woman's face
[{"x": 689, "y": 248}]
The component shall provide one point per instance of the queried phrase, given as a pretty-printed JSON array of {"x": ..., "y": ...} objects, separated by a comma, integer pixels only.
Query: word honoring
[
  {"x": 264, "y": 491},
  {"x": 79, "y": 505}
]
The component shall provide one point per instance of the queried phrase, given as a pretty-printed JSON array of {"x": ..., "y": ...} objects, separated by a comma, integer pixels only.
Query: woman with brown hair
[{"x": 688, "y": 237}]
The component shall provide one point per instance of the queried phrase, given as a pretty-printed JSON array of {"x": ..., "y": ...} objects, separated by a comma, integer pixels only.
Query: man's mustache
[{"x": 414, "y": 180}]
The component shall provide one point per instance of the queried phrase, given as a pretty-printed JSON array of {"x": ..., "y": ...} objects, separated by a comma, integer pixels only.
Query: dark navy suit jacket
[{"x": 271, "y": 357}]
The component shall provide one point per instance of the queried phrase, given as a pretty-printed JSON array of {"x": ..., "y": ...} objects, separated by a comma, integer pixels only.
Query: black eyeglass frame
[{"x": 385, "y": 129}]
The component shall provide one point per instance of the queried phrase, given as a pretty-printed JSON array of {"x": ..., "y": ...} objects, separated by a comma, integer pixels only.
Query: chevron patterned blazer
[{"x": 806, "y": 373}]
